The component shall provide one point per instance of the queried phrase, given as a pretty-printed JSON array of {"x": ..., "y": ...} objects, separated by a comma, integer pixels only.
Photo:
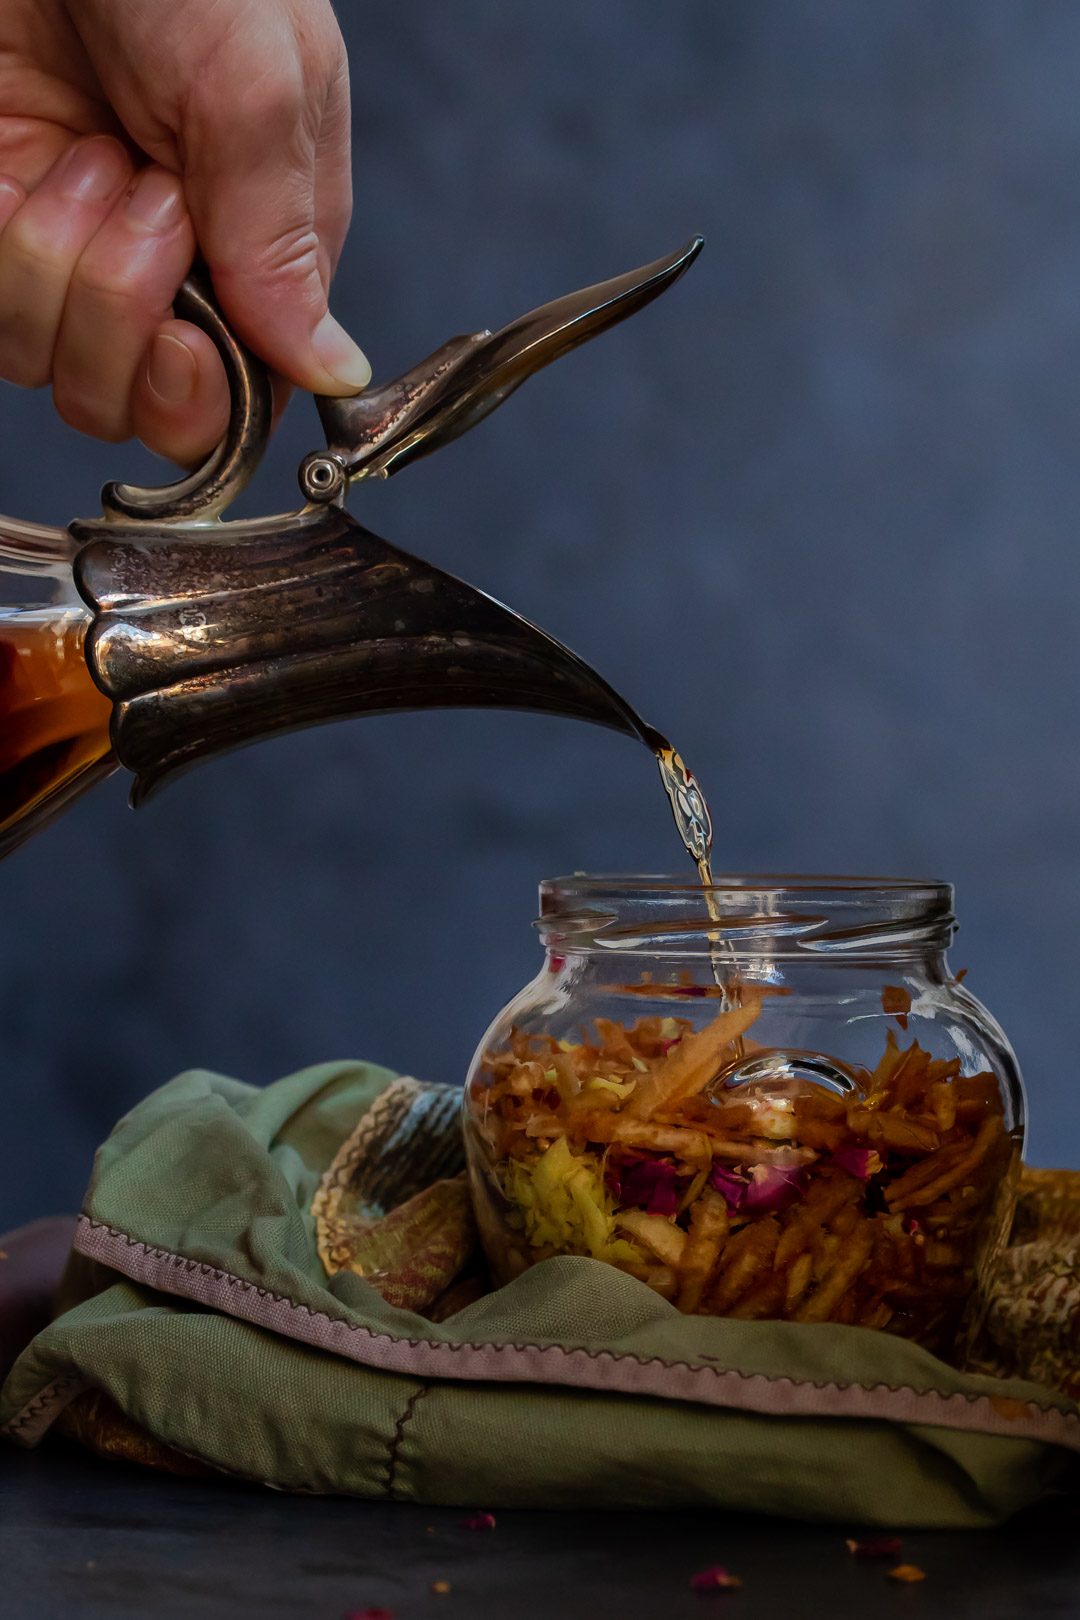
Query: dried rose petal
[
  {"x": 860, "y": 1162},
  {"x": 876, "y": 1547},
  {"x": 1012, "y": 1410},
  {"x": 732, "y": 1188},
  {"x": 664, "y": 1201},
  {"x": 369, "y": 1614},
  {"x": 895, "y": 999},
  {"x": 907, "y": 1573},
  {"x": 773, "y": 1187},
  {"x": 479, "y": 1521},
  {"x": 716, "y": 1579},
  {"x": 650, "y": 1184}
]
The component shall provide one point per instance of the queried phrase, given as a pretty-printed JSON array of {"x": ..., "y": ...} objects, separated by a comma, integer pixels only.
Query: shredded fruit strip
[{"x": 875, "y": 1208}]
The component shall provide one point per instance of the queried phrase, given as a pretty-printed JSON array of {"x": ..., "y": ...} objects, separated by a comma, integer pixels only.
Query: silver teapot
[{"x": 159, "y": 634}]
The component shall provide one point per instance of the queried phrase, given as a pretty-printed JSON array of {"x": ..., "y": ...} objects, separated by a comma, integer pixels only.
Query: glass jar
[{"x": 768, "y": 1099}]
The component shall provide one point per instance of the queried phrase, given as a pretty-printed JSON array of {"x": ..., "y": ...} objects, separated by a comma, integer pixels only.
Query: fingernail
[
  {"x": 93, "y": 170},
  {"x": 156, "y": 200},
  {"x": 171, "y": 370},
  {"x": 335, "y": 350}
]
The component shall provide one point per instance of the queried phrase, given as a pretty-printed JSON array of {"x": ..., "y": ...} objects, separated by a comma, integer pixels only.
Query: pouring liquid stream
[{"x": 694, "y": 824}]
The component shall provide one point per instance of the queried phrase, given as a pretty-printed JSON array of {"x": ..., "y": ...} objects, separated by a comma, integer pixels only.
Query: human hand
[{"x": 129, "y": 130}]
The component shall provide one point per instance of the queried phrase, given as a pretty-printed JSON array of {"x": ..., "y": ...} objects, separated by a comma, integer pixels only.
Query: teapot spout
[{"x": 206, "y": 643}]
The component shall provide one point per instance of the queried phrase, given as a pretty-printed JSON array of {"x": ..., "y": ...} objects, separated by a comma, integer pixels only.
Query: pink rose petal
[
  {"x": 650, "y": 1184},
  {"x": 732, "y": 1188},
  {"x": 774, "y": 1187},
  {"x": 716, "y": 1579},
  {"x": 876, "y": 1547},
  {"x": 860, "y": 1162}
]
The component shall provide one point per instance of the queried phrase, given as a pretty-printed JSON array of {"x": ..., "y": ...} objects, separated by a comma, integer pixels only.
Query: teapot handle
[
  {"x": 385, "y": 428},
  {"x": 205, "y": 493}
]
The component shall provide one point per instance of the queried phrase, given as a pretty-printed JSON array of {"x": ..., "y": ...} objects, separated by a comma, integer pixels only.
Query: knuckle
[
  {"x": 233, "y": 119},
  {"x": 30, "y": 243},
  {"x": 289, "y": 257},
  {"x": 25, "y": 359},
  {"x": 85, "y": 415},
  {"x": 292, "y": 255},
  {"x": 24, "y": 374},
  {"x": 20, "y": 365},
  {"x": 269, "y": 101},
  {"x": 275, "y": 100},
  {"x": 330, "y": 60},
  {"x": 123, "y": 280},
  {"x": 116, "y": 283}
]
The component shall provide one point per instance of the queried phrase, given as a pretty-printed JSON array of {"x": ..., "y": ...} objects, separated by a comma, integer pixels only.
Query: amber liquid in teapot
[{"x": 54, "y": 723}]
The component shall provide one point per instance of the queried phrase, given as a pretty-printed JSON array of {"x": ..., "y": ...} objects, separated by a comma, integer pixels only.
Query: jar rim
[
  {"x": 769, "y": 914},
  {"x": 836, "y": 885}
]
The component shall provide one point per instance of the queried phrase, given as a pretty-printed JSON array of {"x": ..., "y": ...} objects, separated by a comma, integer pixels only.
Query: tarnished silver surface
[
  {"x": 207, "y": 641},
  {"x": 384, "y": 428},
  {"x": 208, "y": 635},
  {"x": 203, "y": 495}
]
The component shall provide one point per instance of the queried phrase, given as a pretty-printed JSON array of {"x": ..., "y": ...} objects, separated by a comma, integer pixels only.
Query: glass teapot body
[
  {"x": 158, "y": 635},
  {"x": 54, "y": 720}
]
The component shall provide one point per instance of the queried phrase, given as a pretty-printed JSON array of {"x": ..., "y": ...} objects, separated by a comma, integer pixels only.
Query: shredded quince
[
  {"x": 600, "y": 1082},
  {"x": 563, "y": 1205},
  {"x": 869, "y": 1208}
]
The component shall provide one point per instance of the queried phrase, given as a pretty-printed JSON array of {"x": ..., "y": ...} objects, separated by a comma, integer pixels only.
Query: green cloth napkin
[{"x": 197, "y": 1302}]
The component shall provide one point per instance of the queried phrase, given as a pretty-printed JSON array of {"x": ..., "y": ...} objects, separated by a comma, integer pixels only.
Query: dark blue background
[{"x": 813, "y": 513}]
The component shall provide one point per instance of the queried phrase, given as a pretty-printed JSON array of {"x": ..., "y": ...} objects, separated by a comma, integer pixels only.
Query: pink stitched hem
[
  {"x": 27, "y": 1427},
  {"x": 603, "y": 1370}
]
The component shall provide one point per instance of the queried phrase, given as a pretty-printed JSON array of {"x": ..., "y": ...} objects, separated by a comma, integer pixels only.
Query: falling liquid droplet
[{"x": 692, "y": 818}]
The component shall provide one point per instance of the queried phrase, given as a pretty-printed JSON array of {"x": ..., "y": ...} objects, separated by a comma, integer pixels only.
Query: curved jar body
[
  {"x": 54, "y": 723},
  {"x": 797, "y": 1112}
]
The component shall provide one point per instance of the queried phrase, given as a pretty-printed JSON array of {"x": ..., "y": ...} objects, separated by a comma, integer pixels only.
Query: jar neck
[{"x": 758, "y": 927}]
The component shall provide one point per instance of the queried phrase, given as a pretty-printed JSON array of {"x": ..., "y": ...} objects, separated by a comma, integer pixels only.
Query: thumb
[{"x": 256, "y": 223}]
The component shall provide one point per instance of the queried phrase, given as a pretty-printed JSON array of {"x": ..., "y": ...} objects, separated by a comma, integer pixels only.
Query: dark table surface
[{"x": 96, "y": 1539}]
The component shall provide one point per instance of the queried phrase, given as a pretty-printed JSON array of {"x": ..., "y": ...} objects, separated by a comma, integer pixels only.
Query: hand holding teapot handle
[
  {"x": 387, "y": 427},
  {"x": 130, "y": 136}
]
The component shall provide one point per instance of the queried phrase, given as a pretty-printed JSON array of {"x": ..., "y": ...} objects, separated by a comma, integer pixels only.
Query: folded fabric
[
  {"x": 1032, "y": 1324},
  {"x": 200, "y": 1321}
]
